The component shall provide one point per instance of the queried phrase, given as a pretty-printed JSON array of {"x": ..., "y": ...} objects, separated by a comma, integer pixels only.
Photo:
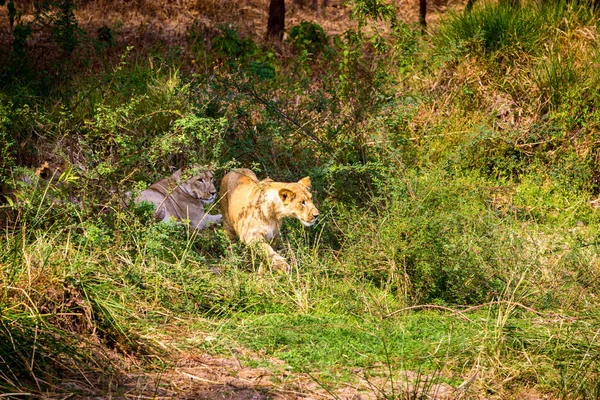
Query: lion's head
[
  {"x": 197, "y": 182},
  {"x": 297, "y": 201}
]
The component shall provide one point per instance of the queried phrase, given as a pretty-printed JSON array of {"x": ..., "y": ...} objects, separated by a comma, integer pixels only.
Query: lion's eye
[{"x": 303, "y": 202}]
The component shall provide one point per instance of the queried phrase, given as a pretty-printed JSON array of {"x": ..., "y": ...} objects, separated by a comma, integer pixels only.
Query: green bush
[
  {"x": 308, "y": 36},
  {"x": 435, "y": 240},
  {"x": 229, "y": 44},
  {"x": 7, "y": 145}
]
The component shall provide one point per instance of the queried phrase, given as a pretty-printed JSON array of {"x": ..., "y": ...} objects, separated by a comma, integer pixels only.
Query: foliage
[
  {"x": 376, "y": 10},
  {"x": 56, "y": 16},
  {"x": 308, "y": 36},
  {"x": 64, "y": 25},
  {"x": 230, "y": 45},
  {"x": 548, "y": 89},
  {"x": 7, "y": 144},
  {"x": 435, "y": 241}
]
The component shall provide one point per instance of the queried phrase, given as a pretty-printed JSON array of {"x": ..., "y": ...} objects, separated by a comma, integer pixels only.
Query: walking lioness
[
  {"x": 254, "y": 210},
  {"x": 182, "y": 196}
]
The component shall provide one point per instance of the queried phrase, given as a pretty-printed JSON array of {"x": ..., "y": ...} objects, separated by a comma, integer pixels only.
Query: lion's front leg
[
  {"x": 277, "y": 262},
  {"x": 208, "y": 220},
  {"x": 257, "y": 238},
  {"x": 216, "y": 219}
]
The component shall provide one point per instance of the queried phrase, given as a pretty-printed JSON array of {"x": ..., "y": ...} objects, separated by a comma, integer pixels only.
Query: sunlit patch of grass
[
  {"x": 494, "y": 30},
  {"x": 334, "y": 344}
]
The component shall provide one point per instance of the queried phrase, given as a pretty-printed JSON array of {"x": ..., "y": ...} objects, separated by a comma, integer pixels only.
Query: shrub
[
  {"x": 308, "y": 36},
  {"x": 434, "y": 240},
  {"x": 7, "y": 144},
  {"x": 229, "y": 44}
]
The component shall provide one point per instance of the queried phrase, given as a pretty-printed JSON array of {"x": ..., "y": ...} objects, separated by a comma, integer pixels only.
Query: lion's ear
[
  {"x": 177, "y": 175},
  {"x": 305, "y": 182},
  {"x": 286, "y": 195}
]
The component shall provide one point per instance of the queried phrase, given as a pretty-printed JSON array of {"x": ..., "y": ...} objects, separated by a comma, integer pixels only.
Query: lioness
[
  {"x": 254, "y": 210},
  {"x": 182, "y": 195}
]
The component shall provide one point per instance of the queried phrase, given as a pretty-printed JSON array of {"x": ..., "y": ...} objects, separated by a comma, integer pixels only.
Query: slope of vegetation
[{"x": 457, "y": 174}]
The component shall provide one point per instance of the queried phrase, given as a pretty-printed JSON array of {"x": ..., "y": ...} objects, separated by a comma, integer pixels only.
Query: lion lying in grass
[
  {"x": 182, "y": 196},
  {"x": 254, "y": 210}
]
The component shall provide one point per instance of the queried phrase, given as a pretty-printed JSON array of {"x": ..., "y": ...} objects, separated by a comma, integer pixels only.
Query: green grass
[
  {"x": 496, "y": 31},
  {"x": 336, "y": 343}
]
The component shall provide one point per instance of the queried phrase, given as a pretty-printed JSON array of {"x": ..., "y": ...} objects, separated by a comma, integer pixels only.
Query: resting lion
[
  {"x": 254, "y": 210},
  {"x": 182, "y": 195}
]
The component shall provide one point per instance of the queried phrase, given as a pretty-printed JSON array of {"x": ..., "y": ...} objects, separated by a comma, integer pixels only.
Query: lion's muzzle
[
  {"x": 210, "y": 199},
  {"x": 312, "y": 218}
]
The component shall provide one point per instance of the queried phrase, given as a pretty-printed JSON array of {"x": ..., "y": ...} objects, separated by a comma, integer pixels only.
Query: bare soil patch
[{"x": 202, "y": 376}]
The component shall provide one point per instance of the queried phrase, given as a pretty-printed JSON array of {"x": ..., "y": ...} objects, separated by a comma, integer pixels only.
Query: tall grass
[
  {"x": 495, "y": 30},
  {"x": 510, "y": 33}
]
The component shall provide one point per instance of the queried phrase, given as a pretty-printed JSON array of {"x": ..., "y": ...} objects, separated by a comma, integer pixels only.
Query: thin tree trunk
[
  {"x": 423, "y": 14},
  {"x": 276, "y": 23}
]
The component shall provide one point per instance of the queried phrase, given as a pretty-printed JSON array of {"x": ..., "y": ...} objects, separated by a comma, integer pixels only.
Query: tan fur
[
  {"x": 253, "y": 210},
  {"x": 182, "y": 195}
]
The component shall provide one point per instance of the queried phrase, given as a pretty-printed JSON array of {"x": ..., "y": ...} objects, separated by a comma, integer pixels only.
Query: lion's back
[
  {"x": 233, "y": 182},
  {"x": 156, "y": 194},
  {"x": 237, "y": 194}
]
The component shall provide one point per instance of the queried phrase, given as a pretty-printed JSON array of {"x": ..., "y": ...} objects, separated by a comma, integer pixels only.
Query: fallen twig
[
  {"x": 434, "y": 306},
  {"x": 461, "y": 313}
]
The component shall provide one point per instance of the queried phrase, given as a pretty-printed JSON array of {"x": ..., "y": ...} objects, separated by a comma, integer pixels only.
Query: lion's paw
[{"x": 280, "y": 264}]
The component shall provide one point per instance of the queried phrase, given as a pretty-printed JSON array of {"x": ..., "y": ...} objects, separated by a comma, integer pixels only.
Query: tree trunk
[
  {"x": 276, "y": 23},
  {"x": 423, "y": 14}
]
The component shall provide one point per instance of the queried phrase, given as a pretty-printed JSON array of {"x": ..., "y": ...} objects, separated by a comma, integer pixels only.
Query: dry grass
[{"x": 144, "y": 22}]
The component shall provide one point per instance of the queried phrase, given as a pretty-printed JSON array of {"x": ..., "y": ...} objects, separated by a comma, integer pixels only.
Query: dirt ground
[
  {"x": 143, "y": 23},
  {"x": 201, "y": 376},
  {"x": 207, "y": 377}
]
